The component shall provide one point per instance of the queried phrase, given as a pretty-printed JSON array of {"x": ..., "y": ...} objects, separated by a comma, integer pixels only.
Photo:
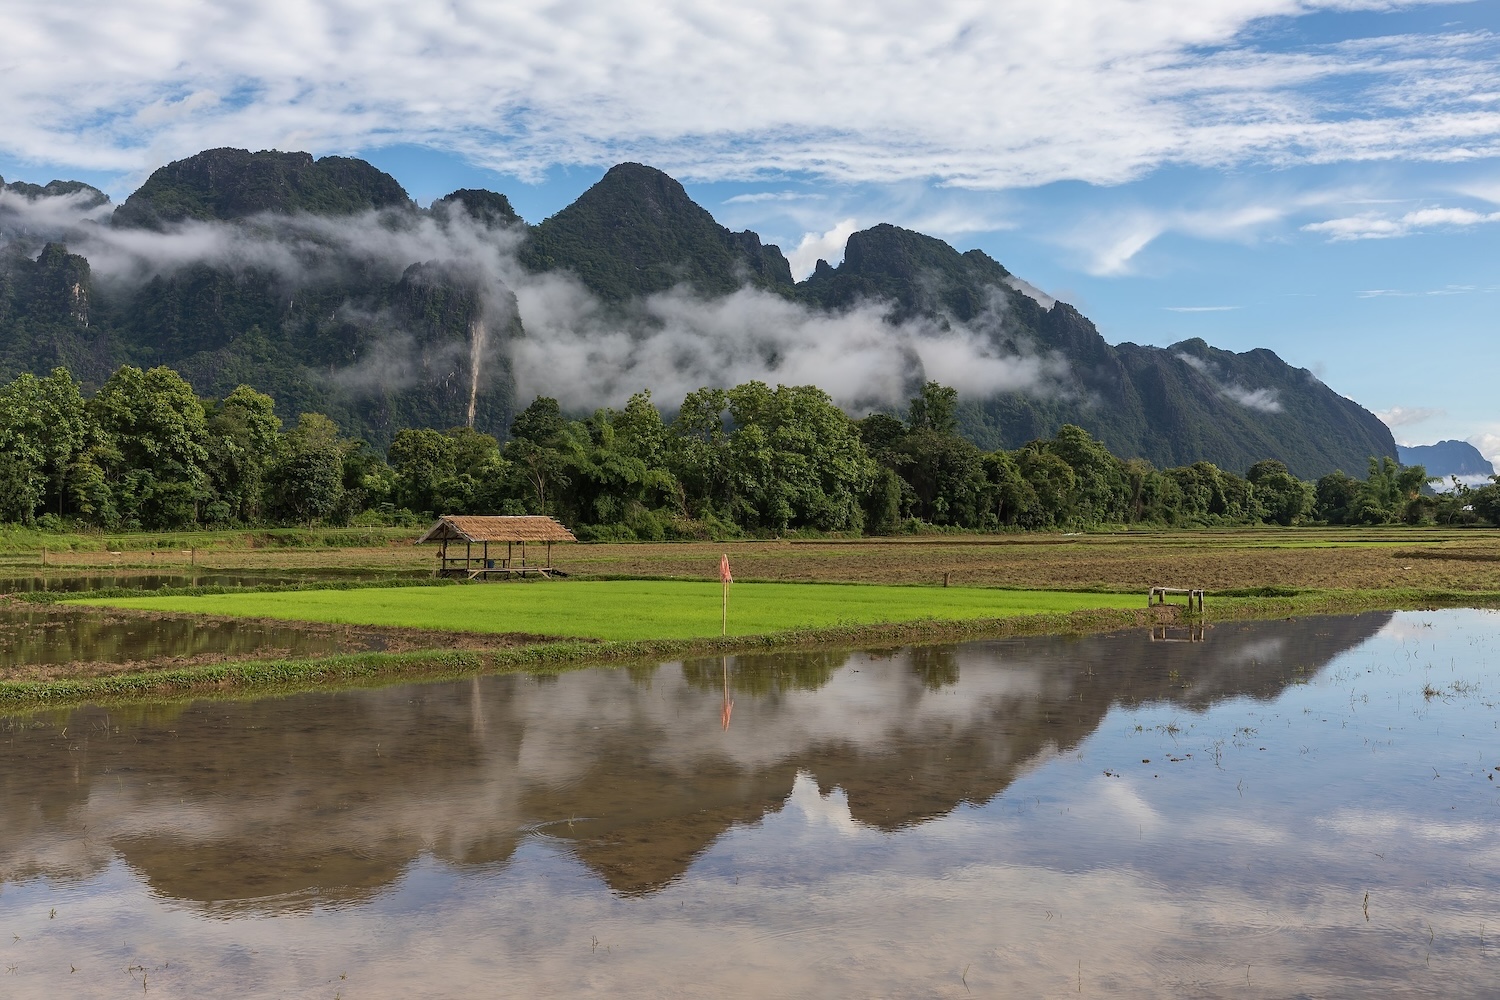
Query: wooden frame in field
[{"x": 513, "y": 530}]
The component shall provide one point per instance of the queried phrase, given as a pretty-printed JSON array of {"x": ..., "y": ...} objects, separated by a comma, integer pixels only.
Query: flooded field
[
  {"x": 32, "y": 636},
  {"x": 72, "y": 583},
  {"x": 1301, "y": 808}
]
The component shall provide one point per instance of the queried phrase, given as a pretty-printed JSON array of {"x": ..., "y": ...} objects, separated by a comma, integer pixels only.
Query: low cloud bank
[{"x": 575, "y": 347}]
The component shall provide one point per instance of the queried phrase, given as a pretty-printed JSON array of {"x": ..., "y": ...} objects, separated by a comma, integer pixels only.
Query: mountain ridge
[{"x": 634, "y": 234}]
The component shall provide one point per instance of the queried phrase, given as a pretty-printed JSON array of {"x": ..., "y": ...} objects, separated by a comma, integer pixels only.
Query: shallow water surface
[
  {"x": 31, "y": 637},
  {"x": 1301, "y": 808},
  {"x": 73, "y": 583}
]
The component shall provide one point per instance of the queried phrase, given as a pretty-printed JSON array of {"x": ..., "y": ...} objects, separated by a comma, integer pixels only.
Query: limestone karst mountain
[{"x": 285, "y": 272}]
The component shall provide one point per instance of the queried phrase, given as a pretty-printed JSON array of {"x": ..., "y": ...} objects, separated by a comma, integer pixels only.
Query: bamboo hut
[{"x": 478, "y": 534}]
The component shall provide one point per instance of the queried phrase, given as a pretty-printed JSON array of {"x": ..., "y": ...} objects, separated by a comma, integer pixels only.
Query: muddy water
[
  {"x": 1286, "y": 809},
  {"x": 32, "y": 636},
  {"x": 73, "y": 583}
]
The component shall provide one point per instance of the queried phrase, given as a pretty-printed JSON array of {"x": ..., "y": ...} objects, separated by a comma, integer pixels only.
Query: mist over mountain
[{"x": 320, "y": 282}]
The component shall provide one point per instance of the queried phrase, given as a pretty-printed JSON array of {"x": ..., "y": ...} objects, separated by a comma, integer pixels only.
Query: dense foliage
[{"x": 145, "y": 451}]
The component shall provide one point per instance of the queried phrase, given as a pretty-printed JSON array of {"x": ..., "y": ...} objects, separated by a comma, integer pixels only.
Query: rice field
[
  {"x": 1309, "y": 558},
  {"x": 627, "y": 610}
]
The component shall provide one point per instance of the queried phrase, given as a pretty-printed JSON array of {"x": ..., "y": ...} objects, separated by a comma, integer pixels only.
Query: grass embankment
[{"x": 625, "y": 611}]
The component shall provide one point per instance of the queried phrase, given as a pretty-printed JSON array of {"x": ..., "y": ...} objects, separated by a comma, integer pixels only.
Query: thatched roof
[{"x": 497, "y": 529}]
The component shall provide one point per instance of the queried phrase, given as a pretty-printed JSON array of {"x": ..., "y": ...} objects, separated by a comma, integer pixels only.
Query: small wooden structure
[
  {"x": 1194, "y": 632},
  {"x": 1158, "y": 595},
  {"x": 478, "y": 533}
]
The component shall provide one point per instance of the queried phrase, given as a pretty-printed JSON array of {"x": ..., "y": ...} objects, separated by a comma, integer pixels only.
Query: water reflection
[
  {"x": 333, "y": 795},
  {"x": 1101, "y": 815},
  {"x": 37, "y": 637},
  {"x": 72, "y": 583}
]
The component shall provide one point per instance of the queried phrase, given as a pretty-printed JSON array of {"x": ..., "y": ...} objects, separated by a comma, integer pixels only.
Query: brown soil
[{"x": 1448, "y": 559}]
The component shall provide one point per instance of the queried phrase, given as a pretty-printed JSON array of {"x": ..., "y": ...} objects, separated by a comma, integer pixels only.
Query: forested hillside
[{"x": 323, "y": 284}]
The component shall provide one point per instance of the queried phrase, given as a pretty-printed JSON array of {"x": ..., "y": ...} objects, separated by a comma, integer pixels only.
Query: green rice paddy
[{"x": 627, "y": 610}]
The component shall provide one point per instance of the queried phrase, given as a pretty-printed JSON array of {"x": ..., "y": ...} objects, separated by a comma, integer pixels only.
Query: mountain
[
  {"x": 235, "y": 184},
  {"x": 304, "y": 293},
  {"x": 1172, "y": 406},
  {"x": 374, "y": 342},
  {"x": 1447, "y": 458},
  {"x": 637, "y": 232}
]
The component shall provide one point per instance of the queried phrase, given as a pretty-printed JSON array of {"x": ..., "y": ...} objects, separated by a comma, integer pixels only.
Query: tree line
[{"x": 146, "y": 452}]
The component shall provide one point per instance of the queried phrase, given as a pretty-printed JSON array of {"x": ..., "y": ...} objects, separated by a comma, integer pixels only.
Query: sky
[{"x": 1317, "y": 177}]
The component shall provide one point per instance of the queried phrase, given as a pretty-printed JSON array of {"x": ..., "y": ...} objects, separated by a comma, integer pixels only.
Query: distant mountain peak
[
  {"x": 636, "y": 232},
  {"x": 1447, "y": 458},
  {"x": 227, "y": 183}
]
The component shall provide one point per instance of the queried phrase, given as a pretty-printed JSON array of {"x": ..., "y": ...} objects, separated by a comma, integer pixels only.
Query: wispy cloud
[
  {"x": 1402, "y": 416},
  {"x": 756, "y": 197},
  {"x": 1488, "y": 443},
  {"x": 1101, "y": 91},
  {"x": 1265, "y": 400},
  {"x": 1373, "y": 226},
  {"x": 1397, "y": 293}
]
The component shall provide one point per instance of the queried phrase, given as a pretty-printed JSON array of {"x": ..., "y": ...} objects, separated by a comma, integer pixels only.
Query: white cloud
[
  {"x": 757, "y": 197},
  {"x": 978, "y": 95},
  {"x": 1108, "y": 246},
  {"x": 1401, "y": 416},
  {"x": 1398, "y": 293},
  {"x": 575, "y": 349},
  {"x": 1373, "y": 226},
  {"x": 827, "y": 246},
  {"x": 1264, "y": 400},
  {"x": 1488, "y": 443}
]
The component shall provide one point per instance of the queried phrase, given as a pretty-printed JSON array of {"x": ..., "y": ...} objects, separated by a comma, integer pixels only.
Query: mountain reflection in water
[
  {"x": 1300, "y": 808},
  {"x": 275, "y": 803}
]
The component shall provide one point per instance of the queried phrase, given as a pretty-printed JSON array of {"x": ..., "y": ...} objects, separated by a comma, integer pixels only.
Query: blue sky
[{"x": 1319, "y": 177}]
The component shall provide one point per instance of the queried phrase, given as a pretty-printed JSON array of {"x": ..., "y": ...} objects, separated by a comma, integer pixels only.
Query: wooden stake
[{"x": 724, "y": 629}]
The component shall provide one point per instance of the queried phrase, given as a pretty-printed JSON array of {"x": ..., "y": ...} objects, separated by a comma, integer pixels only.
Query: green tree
[
  {"x": 1334, "y": 498},
  {"x": 1100, "y": 491},
  {"x": 934, "y": 409},
  {"x": 795, "y": 459},
  {"x": 306, "y": 484},
  {"x": 697, "y": 451},
  {"x": 423, "y": 461},
  {"x": 153, "y": 445},
  {"x": 243, "y": 434},
  {"x": 44, "y": 430}
]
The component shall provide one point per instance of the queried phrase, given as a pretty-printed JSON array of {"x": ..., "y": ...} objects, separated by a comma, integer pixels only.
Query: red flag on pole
[{"x": 726, "y": 578}]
